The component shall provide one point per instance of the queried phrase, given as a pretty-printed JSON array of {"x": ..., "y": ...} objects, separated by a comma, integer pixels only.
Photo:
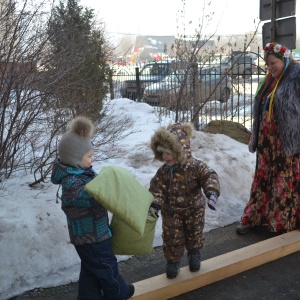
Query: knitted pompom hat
[{"x": 76, "y": 142}]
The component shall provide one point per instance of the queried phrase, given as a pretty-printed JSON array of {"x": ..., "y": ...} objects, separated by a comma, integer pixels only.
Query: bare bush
[
  {"x": 42, "y": 89},
  {"x": 21, "y": 45}
]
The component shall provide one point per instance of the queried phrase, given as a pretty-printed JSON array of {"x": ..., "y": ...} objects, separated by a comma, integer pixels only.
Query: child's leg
[
  {"x": 88, "y": 286},
  {"x": 194, "y": 225},
  {"x": 173, "y": 236},
  {"x": 101, "y": 263},
  {"x": 173, "y": 242}
]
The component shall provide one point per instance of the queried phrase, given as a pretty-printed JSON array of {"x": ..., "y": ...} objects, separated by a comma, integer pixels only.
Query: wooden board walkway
[{"x": 218, "y": 268}]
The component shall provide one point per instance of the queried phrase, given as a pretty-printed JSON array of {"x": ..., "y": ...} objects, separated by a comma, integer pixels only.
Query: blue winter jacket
[{"x": 87, "y": 219}]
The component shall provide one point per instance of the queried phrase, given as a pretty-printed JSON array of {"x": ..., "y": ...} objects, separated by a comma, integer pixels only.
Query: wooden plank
[{"x": 218, "y": 268}]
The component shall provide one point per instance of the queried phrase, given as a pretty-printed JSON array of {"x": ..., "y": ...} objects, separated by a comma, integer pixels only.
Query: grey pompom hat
[{"x": 76, "y": 142}]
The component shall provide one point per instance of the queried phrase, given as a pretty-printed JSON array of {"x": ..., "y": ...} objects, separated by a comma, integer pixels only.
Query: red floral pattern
[{"x": 275, "y": 191}]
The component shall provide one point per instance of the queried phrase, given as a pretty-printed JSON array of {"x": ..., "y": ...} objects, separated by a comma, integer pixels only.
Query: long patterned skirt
[{"x": 275, "y": 191}]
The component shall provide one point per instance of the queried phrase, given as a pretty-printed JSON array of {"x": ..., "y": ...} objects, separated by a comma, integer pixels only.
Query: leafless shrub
[
  {"x": 21, "y": 45},
  {"x": 41, "y": 91}
]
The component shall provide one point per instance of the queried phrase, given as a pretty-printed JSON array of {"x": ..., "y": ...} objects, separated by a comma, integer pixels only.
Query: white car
[
  {"x": 208, "y": 86},
  {"x": 296, "y": 56}
]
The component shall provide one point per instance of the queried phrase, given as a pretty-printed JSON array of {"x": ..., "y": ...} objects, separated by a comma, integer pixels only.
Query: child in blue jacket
[{"x": 87, "y": 219}]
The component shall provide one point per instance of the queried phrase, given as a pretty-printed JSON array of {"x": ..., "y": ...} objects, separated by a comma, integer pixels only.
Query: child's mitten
[{"x": 212, "y": 199}]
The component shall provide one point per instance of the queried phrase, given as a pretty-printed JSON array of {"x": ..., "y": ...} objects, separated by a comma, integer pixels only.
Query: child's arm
[
  {"x": 208, "y": 178},
  {"x": 209, "y": 181},
  {"x": 158, "y": 191},
  {"x": 77, "y": 196}
]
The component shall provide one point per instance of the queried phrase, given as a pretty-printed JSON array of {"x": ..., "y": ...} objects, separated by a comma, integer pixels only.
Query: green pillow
[
  {"x": 126, "y": 241},
  {"x": 120, "y": 193}
]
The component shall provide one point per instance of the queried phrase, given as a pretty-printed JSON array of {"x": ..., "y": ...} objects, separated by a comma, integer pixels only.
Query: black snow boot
[
  {"x": 172, "y": 270},
  {"x": 194, "y": 259},
  {"x": 131, "y": 290}
]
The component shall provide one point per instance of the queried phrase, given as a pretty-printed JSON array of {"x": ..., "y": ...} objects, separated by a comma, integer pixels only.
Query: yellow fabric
[
  {"x": 120, "y": 193},
  {"x": 126, "y": 241},
  {"x": 272, "y": 97}
]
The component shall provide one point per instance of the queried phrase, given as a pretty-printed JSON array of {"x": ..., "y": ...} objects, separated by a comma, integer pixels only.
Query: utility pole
[
  {"x": 281, "y": 27},
  {"x": 273, "y": 18}
]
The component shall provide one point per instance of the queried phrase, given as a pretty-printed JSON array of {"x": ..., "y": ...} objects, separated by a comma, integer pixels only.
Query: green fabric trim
[{"x": 261, "y": 84}]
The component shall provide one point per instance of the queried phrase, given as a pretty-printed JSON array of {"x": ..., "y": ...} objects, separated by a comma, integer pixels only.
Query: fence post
[
  {"x": 138, "y": 84},
  {"x": 195, "y": 90}
]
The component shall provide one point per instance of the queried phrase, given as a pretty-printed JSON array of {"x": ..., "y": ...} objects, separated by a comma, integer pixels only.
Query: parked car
[
  {"x": 239, "y": 63},
  {"x": 296, "y": 56},
  {"x": 150, "y": 73},
  {"x": 208, "y": 86},
  {"x": 259, "y": 63}
]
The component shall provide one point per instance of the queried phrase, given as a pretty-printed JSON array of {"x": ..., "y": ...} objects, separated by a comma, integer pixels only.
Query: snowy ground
[{"x": 35, "y": 249}]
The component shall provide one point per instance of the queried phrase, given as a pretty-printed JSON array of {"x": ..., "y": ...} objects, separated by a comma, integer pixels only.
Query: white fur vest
[{"x": 286, "y": 111}]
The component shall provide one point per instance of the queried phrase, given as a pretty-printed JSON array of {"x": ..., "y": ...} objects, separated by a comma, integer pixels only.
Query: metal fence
[{"x": 201, "y": 97}]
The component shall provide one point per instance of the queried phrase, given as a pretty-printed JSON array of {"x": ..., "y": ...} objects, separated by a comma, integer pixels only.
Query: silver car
[{"x": 186, "y": 90}]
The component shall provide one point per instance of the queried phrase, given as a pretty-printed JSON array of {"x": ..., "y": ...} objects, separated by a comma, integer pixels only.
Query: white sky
[
  {"x": 35, "y": 249},
  {"x": 157, "y": 17}
]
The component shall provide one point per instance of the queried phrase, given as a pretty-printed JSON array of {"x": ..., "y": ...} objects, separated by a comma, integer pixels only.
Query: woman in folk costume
[{"x": 275, "y": 191}]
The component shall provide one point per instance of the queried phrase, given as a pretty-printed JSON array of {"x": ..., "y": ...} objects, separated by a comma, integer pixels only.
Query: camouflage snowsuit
[{"x": 178, "y": 192}]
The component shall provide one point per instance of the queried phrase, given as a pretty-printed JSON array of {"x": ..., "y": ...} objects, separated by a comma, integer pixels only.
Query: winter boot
[
  {"x": 131, "y": 290},
  {"x": 172, "y": 270},
  {"x": 194, "y": 259},
  {"x": 243, "y": 229}
]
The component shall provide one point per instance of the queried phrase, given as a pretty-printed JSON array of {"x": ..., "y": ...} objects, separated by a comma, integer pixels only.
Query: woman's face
[{"x": 275, "y": 65}]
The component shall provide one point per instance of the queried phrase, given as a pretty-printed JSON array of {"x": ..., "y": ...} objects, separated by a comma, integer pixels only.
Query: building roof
[{"x": 149, "y": 45}]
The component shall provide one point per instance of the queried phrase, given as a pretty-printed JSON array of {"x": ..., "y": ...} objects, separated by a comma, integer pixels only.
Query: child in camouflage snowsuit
[{"x": 178, "y": 188}]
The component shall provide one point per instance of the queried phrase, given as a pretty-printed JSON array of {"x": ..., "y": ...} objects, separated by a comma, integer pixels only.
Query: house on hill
[{"x": 150, "y": 48}]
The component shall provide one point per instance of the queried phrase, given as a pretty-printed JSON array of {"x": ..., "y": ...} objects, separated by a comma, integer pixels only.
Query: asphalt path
[{"x": 276, "y": 280}]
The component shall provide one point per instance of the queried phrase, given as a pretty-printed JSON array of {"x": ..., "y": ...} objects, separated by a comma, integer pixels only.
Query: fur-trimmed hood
[{"x": 176, "y": 137}]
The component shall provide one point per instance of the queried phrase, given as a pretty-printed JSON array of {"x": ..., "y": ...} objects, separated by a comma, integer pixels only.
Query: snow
[{"x": 34, "y": 242}]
